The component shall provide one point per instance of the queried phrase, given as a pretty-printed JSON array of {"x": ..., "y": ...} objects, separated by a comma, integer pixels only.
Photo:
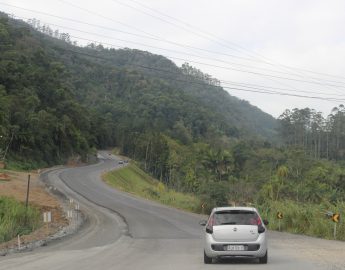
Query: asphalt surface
[{"x": 126, "y": 232}]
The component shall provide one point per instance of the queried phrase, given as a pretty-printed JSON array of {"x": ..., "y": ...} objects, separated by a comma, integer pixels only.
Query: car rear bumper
[{"x": 253, "y": 249}]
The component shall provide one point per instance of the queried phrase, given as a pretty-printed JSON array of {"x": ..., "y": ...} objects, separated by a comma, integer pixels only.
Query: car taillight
[
  {"x": 209, "y": 226},
  {"x": 261, "y": 228}
]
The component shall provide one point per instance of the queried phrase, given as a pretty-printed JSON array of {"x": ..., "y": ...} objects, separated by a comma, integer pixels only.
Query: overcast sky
[{"x": 266, "y": 43}]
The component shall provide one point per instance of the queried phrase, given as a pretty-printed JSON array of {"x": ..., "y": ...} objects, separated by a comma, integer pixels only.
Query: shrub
[
  {"x": 304, "y": 218},
  {"x": 16, "y": 219}
]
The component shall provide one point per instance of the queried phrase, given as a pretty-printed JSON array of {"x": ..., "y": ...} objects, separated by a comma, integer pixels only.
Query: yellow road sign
[
  {"x": 336, "y": 217},
  {"x": 280, "y": 215}
]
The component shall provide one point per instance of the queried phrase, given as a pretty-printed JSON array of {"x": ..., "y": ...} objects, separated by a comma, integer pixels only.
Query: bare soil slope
[{"x": 14, "y": 184}]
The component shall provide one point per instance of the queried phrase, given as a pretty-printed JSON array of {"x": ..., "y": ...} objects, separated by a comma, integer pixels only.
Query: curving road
[{"x": 125, "y": 232}]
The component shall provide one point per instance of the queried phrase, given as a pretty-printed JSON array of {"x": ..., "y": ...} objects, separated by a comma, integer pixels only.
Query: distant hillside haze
[
  {"x": 58, "y": 99},
  {"x": 229, "y": 112}
]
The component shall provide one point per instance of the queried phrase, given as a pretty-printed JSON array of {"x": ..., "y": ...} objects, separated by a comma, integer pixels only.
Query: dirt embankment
[{"x": 14, "y": 184}]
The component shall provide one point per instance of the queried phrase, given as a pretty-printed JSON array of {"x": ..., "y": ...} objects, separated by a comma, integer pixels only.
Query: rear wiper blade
[{"x": 229, "y": 223}]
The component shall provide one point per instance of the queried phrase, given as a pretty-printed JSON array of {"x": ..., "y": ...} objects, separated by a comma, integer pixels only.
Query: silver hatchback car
[{"x": 235, "y": 232}]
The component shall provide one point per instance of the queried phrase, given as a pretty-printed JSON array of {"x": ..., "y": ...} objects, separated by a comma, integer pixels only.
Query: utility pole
[{"x": 27, "y": 192}]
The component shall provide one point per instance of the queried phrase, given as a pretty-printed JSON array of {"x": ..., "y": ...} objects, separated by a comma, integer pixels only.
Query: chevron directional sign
[
  {"x": 280, "y": 215},
  {"x": 336, "y": 217}
]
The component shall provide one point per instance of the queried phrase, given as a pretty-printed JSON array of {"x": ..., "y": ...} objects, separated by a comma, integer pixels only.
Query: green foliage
[
  {"x": 133, "y": 180},
  {"x": 304, "y": 218},
  {"x": 16, "y": 219},
  {"x": 215, "y": 194},
  {"x": 59, "y": 100},
  {"x": 24, "y": 165},
  {"x": 319, "y": 137}
]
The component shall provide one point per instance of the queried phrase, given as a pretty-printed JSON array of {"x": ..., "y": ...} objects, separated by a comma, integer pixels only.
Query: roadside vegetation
[
  {"x": 16, "y": 219},
  {"x": 133, "y": 180},
  {"x": 304, "y": 218},
  {"x": 59, "y": 100},
  {"x": 23, "y": 165},
  {"x": 298, "y": 217}
]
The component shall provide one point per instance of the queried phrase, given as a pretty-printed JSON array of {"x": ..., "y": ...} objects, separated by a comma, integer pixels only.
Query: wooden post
[
  {"x": 279, "y": 223},
  {"x": 27, "y": 192}
]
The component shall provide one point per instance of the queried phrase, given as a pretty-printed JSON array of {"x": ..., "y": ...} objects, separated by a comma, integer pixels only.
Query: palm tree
[
  {"x": 219, "y": 163},
  {"x": 282, "y": 173}
]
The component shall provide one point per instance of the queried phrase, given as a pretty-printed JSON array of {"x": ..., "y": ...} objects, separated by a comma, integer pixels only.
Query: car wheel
[
  {"x": 264, "y": 259},
  {"x": 207, "y": 260}
]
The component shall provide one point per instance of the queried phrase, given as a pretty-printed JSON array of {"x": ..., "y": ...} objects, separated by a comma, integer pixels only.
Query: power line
[
  {"x": 230, "y": 82},
  {"x": 278, "y": 88},
  {"x": 229, "y": 68},
  {"x": 107, "y": 18},
  {"x": 210, "y": 34},
  {"x": 73, "y": 20},
  {"x": 163, "y": 20},
  {"x": 266, "y": 60},
  {"x": 285, "y": 68},
  {"x": 266, "y": 91},
  {"x": 254, "y": 86},
  {"x": 202, "y": 35},
  {"x": 179, "y": 52},
  {"x": 159, "y": 39},
  {"x": 197, "y": 62},
  {"x": 147, "y": 37},
  {"x": 203, "y": 83}
]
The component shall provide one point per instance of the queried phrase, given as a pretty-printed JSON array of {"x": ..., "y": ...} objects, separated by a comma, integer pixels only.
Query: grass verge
[
  {"x": 133, "y": 180},
  {"x": 22, "y": 166},
  {"x": 299, "y": 218},
  {"x": 16, "y": 219},
  {"x": 304, "y": 218}
]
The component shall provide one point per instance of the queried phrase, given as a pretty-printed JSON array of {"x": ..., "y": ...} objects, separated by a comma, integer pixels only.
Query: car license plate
[{"x": 235, "y": 248}]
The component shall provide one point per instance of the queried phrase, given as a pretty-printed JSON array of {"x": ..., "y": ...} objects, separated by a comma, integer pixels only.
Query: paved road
[{"x": 125, "y": 232}]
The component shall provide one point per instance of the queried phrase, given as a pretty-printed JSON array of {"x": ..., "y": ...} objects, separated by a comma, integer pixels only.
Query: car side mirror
[
  {"x": 203, "y": 222},
  {"x": 266, "y": 222}
]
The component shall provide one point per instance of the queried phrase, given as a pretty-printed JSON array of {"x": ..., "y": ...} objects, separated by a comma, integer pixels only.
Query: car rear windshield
[{"x": 238, "y": 217}]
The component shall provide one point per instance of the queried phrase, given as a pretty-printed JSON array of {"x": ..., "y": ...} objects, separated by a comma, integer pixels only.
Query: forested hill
[{"x": 57, "y": 99}]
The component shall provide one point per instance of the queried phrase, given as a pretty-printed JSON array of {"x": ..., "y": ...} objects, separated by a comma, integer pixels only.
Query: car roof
[{"x": 229, "y": 208}]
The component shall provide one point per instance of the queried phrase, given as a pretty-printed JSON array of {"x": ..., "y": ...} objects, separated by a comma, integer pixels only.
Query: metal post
[
  {"x": 19, "y": 244},
  {"x": 279, "y": 224},
  {"x": 27, "y": 192},
  {"x": 335, "y": 231}
]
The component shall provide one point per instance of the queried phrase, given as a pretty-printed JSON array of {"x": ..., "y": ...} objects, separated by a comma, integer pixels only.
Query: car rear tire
[
  {"x": 264, "y": 259},
  {"x": 207, "y": 260}
]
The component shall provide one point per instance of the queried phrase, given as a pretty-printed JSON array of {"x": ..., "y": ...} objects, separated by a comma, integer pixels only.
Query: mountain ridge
[{"x": 119, "y": 91}]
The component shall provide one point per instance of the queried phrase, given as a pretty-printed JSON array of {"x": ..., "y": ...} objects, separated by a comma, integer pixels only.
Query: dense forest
[
  {"x": 60, "y": 100},
  {"x": 318, "y": 136}
]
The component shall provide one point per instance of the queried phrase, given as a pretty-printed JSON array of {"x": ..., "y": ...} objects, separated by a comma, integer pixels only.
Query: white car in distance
[{"x": 235, "y": 232}]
